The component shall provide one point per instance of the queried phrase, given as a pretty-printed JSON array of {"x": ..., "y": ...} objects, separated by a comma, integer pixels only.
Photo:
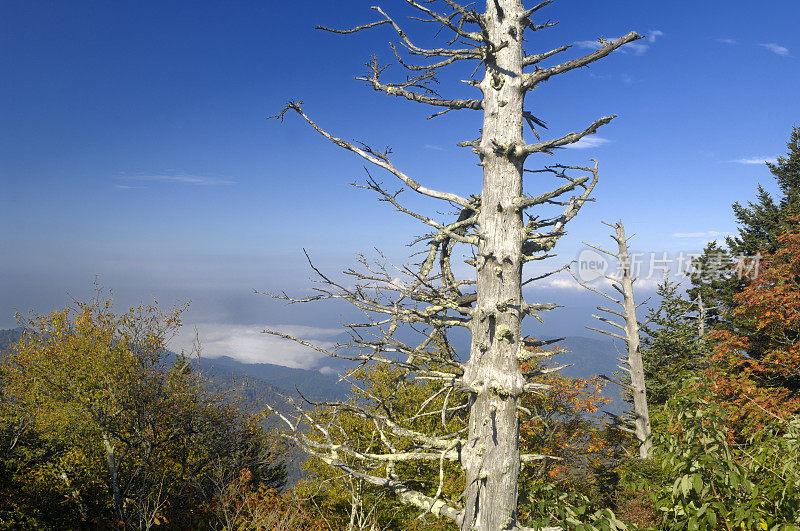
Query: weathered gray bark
[
  {"x": 630, "y": 327},
  {"x": 637, "y": 386},
  {"x": 491, "y": 455},
  {"x": 702, "y": 315},
  {"x": 493, "y": 226}
]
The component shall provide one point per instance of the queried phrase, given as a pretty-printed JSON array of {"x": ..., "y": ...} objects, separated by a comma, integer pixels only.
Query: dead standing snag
[
  {"x": 629, "y": 327},
  {"x": 500, "y": 237}
]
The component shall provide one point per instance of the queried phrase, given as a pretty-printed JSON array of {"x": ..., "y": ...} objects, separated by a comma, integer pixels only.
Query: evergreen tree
[
  {"x": 672, "y": 344},
  {"x": 719, "y": 275},
  {"x": 762, "y": 222},
  {"x": 714, "y": 283},
  {"x": 759, "y": 225}
]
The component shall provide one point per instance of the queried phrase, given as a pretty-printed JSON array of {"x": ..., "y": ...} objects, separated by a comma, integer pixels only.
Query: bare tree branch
[
  {"x": 379, "y": 159},
  {"x": 531, "y": 60},
  {"x": 548, "y": 145},
  {"x": 534, "y": 78},
  {"x": 427, "y": 97}
]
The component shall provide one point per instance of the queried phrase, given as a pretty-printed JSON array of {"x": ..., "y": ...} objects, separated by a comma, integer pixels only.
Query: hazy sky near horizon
[{"x": 135, "y": 147}]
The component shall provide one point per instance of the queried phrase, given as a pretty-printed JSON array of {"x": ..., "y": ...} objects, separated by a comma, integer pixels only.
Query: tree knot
[
  {"x": 497, "y": 81},
  {"x": 504, "y": 333}
]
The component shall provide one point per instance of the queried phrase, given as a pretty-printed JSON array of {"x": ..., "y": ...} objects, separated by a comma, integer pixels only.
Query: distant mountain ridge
[
  {"x": 311, "y": 383},
  {"x": 265, "y": 382},
  {"x": 588, "y": 357}
]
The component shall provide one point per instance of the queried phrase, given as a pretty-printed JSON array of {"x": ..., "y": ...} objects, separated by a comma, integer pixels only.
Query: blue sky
[{"x": 135, "y": 146}]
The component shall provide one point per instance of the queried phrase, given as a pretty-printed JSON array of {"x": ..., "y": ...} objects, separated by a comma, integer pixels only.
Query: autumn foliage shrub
[
  {"x": 757, "y": 376},
  {"x": 102, "y": 426},
  {"x": 243, "y": 504}
]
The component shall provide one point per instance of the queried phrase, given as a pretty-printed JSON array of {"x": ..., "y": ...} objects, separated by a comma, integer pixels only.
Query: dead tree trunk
[
  {"x": 702, "y": 315},
  {"x": 637, "y": 387},
  {"x": 623, "y": 283},
  {"x": 491, "y": 456},
  {"x": 500, "y": 237}
]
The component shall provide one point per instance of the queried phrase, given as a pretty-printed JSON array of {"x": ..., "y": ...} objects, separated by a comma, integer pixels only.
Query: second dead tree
[{"x": 625, "y": 320}]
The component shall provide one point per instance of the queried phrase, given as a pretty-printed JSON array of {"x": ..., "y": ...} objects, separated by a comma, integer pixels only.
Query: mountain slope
[
  {"x": 262, "y": 383},
  {"x": 312, "y": 384},
  {"x": 9, "y": 337},
  {"x": 590, "y": 357}
]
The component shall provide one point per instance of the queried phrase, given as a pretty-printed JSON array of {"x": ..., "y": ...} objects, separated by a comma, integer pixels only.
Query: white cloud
[
  {"x": 729, "y": 42},
  {"x": 433, "y": 147},
  {"x": 637, "y": 48},
  {"x": 647, "y": 284},
  {"x": 569, "y": 284},
  {"x": 775, "y": 48},
  {"x": 248, "y": 343},
  {"x": 128, "y": 187},
  {"x": 706, "y": 234},
  {"x": 634, "y": 47},
  {"x": 588, "y": 142},
  {"x": 181, "y": 178},
  {"x": 561, "y": 283},
  {"x": 654, "y": 34},
  {"x": 755, "y": 160},
  {"x": 589, "y": 45}
]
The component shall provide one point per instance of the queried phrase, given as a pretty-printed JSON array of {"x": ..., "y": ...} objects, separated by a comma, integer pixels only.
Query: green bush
[{"x": 717, "y": 485}]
